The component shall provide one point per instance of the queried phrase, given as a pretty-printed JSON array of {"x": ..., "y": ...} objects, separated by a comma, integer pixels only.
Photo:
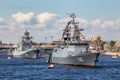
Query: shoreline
[
  {"x": 107, "y": 53},
  {"x": 113, "y": 53}
]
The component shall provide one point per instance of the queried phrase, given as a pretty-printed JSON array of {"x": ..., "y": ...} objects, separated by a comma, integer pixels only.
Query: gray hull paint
[
  {"x": 84, "y": 59},
  {"x": 29, "y": 54}
]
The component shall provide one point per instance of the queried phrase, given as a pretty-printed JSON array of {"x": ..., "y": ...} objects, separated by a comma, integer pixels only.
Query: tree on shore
[
  {"x": 107, "y": 46},
  {"x": 98, "y": 42},
  {"x": 112, "y": 43},
  {"x": 117, "y": 46}
]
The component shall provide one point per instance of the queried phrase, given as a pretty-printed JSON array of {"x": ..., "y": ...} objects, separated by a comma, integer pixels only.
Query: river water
[{"x": 107, "y": 68}]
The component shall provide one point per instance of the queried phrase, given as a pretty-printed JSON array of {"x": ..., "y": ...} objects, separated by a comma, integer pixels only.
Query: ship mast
[
  {"x": 72, "y": 33},
  {"x": 26, "y": 38},
  {"x": 73, "y": 16}
]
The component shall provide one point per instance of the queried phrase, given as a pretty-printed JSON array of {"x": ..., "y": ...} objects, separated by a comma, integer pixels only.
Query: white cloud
[
  {"x": 83, "y": 21},
  {"x": 108, "y": 24},
  {"x": 117, "y": 24},
  {"x": 96, "y": 22},
  {"x": 44, "y": 18},
  {"x": 27, "y": 18},
  {"x": 3, "y": 22},
  {"x": 49, "y": 24}
]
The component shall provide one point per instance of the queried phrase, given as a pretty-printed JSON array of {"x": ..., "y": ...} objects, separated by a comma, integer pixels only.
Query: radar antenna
[
  {"x": 73, "y": 21},
  {"x": 73, "y": 16}
]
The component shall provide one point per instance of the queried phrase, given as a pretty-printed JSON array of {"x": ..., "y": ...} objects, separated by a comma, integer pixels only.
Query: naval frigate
[
  {"x": 73, "y": 48},
  {"x": 25, "y": 49}
]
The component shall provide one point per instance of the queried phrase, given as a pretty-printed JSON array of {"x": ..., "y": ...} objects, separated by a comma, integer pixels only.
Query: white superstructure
[{"x": 25, "y": 49}]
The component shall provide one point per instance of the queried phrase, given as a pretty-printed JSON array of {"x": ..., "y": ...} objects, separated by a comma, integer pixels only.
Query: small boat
[
  {"x": 73, "y": 48},
  {"x": 25, "y": 49},
  {"x": 115, "y": 56}
]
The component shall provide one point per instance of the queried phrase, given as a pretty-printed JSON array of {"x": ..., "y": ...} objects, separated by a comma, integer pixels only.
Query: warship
[
  {"x": 25, "y": 49},
  {"x": 73, "y": 49}
]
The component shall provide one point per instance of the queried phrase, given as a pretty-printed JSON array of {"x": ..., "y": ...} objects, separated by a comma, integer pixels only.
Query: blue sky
[
  {"x": 101, "y": 17},
  {"x": 84, "y": 8}
]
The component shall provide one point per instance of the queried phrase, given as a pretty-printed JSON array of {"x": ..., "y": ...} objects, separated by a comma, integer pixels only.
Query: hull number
[{"x": 80, "y": 59}]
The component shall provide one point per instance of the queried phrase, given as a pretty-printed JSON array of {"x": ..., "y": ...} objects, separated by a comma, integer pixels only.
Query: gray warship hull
[
  {"x": 25, "y": 49},
  {"x": 30, "y": 54},
  {"x": 81, "y": 60},
  {"x": 73, "y": 48}
]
